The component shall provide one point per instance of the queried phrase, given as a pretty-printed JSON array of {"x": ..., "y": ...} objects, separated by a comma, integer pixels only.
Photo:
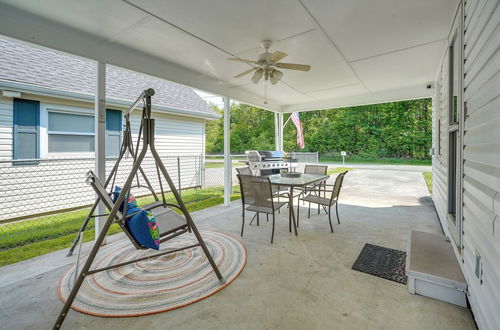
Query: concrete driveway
[{"x": 303, "y": 282}]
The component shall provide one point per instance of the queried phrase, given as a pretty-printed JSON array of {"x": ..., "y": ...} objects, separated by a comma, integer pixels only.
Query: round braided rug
[{"x": 155, "y": 285}]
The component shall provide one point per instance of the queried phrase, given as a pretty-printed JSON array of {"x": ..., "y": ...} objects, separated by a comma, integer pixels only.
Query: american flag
[{"x": 300, "y": 137}]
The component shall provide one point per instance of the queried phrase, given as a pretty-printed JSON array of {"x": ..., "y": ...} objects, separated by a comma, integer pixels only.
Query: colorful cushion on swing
[
  {"x": 144, "y": 228},
  {"x": 143, "y": 225},
  {"x": 132, "y": 202}
]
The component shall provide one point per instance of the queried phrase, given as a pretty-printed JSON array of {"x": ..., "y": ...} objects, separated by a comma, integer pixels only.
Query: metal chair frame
[
  {"x": 273, "y": 206},
  {"x": 314, "y": 169},
  {"x": 333, "y": 200}
]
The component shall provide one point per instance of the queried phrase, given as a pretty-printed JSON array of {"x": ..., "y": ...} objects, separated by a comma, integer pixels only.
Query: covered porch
[
  {"x": 297, "y": 282},
  {"x": 360, "y": 53}
]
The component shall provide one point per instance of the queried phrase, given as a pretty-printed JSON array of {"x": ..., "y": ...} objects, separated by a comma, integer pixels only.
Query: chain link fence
[
  {"x": 305, "y": 157},
  {"x": 49, "y": 199}
]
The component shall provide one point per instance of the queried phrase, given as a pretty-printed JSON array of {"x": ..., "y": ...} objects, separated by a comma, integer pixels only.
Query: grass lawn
[
  {"x": 30, "y": 238},
  {"x": 221, "y": 164},
  {"x": 338, "y": 170},
  {"x": 243, "y": 157},
  {"x": 384, "y": 161},
  {"x": 428, "y": 180},
  {"x": 214, "y": 165}
]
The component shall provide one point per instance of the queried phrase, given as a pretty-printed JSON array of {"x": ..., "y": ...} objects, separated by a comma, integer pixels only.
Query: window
[
  {"x": 26, "y": 129},
  {"x": 69, "y": 132},
  {"x": 453, "y": 129},
  {"x": 75, "y": 132},
  {"x": 455, "y": 118},
  {"x": 454, "y": 87},
  {"x": 453, "y": 175}
]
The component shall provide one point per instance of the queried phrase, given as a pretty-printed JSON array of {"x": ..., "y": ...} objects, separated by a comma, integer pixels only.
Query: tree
[{"x": 396, "y": 129}]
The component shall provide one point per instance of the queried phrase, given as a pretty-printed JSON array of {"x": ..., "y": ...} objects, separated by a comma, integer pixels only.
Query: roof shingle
[{"x": 20, "y": 62}]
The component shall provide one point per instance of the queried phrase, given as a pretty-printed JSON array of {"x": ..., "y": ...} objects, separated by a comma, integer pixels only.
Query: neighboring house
[
  {"x": 47, "y": 114},
  {"x": 47, "y": 106}
]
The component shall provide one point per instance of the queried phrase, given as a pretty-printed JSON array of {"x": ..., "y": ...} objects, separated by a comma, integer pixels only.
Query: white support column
[
  {"x": 276, "y": 132},
  {"x": 227, "y": 152},
  {"x": 280, "y": 129},
  {"x": 100, "y": 137}
]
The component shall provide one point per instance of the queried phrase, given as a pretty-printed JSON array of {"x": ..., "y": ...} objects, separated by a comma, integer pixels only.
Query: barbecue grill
[{"x": 263, "y": 162}]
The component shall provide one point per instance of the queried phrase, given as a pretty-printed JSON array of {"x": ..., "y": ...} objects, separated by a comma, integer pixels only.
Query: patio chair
[
  {"x": 247, "y": 171},
  {"x": 313, "y": 169},
  {"x": 324, "y": 201},
  {"x": 257, "y": 196},
  {"x": 244, "y": 170},
  {"x": 277, "y": 190}
]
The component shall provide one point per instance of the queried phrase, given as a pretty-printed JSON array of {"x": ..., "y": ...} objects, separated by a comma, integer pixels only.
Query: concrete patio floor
[{"x": 303, "y": 282}]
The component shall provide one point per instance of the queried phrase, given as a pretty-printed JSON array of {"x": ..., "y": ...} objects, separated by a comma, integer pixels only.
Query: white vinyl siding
[
  {"x": 61, "y": 184},
  {"x": 6, "y": 124},
  {"x": 482, "y": 159},
  {"x": 481, "y": 156},
  {"x": 175, "y": 135},
  {"x": 440, "y": 162}
]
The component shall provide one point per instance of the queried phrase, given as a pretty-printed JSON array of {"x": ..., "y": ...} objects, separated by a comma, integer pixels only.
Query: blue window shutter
[
  {"x": 113, "y": 132},
  {"x": 26, "y": 142}
]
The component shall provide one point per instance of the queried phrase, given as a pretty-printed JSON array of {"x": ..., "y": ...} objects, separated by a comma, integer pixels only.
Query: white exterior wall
[
  {"x": 440, "y": 160},
  {"x": 6, "y": 123},
  {"x": 175, "y": 135},
  {"x": 50, "y": 185},
  {"x": 481, "y": 157}
]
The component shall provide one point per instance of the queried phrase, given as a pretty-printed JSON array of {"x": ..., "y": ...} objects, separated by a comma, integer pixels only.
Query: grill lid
[{"x": 264, "y": 155}]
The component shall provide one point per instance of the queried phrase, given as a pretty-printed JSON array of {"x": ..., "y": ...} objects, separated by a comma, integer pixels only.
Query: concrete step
[{"x": 433, "y": 270}]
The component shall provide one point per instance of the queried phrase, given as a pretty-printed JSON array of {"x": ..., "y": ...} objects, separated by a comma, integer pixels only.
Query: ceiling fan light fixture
[
  {"x": 257, "y": 75},
  {"x": 276, "y": 76}
]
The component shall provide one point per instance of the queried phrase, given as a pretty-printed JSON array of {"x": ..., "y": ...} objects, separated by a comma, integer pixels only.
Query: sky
[{"x": 217, "y": 100}]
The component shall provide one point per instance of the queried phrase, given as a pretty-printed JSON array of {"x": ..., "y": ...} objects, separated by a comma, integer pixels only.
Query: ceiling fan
[{"x": 267, "y": 65}]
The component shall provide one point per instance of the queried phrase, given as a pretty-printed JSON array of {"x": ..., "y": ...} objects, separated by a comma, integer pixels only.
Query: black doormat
[{"x": 382, "y": 262}]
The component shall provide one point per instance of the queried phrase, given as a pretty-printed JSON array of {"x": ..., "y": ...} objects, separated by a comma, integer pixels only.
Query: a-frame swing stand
[{"x": 170, "y": 223}]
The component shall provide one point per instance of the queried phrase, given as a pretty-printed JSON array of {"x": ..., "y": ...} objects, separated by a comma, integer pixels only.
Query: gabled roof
[{"x": 22, "y": 63}]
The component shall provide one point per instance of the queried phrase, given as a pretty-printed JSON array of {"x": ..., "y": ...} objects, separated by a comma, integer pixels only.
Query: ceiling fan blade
[
  {"x": 276, "y": 56},
  {"x": 293, "y": 66},
  {"x": 257, "y": 75},
  {"x": 245, "y": 72},
  {"x": 237, "y": 59}
]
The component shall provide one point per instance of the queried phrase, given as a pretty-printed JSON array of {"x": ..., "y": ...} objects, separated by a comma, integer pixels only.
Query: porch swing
[{"x": 170, "y": 223}]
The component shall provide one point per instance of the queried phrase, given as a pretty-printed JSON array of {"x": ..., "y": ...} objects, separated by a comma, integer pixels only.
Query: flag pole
[{"x": 286, "y": 122}]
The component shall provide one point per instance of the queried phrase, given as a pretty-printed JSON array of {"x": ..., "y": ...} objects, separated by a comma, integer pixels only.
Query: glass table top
[{"x": 303, "y": 180}]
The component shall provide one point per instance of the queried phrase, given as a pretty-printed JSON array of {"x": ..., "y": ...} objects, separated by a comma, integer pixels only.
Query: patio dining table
[{"x": 292, "y": 182}]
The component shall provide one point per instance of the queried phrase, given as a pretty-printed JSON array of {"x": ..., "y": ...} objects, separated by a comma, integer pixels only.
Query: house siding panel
[
  {"x": 174, "y": 135},
  {"x": 481, "y": 158},
  {"x": 6, "y": 124},
  {"x": 59, "y": 182},
  {"x": 440, "y": 161}
]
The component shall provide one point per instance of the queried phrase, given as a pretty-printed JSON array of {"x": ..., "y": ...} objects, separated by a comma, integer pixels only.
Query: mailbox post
[{"x": 343, "y": 154}]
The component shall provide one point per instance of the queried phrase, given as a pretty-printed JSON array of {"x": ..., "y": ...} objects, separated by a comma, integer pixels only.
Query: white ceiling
[{"x": 360, "y": 51}]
